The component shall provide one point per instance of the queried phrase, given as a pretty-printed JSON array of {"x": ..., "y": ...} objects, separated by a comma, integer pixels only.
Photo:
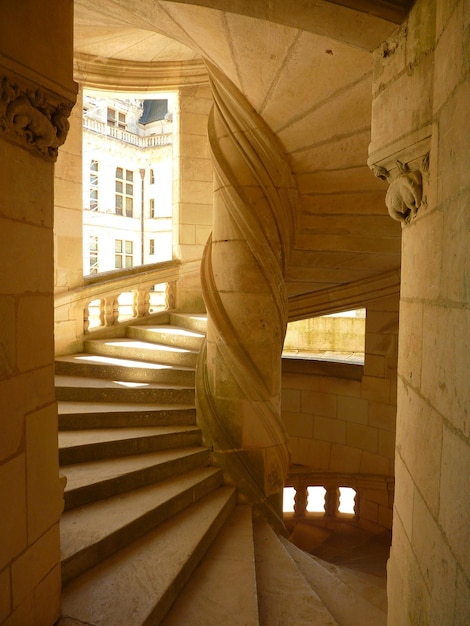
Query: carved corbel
[
  {"x": 33, "y": 118},
  {"x": 405, "y": 193}
]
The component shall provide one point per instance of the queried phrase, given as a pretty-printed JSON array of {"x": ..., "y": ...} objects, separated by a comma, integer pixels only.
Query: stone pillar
[
  {"x": 421, "y": 96},
  {"x": 243, "y": 286},
  {"x": 36, "y": 96},
  {"x": 68, "y": 230},
  {"x": 192, "y": 189}
]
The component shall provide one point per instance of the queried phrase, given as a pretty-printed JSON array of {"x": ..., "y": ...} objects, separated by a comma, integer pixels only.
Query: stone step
[
  {"x": 86, "y": 415},
  {"x": 92, "y": 532},
  {"x": 284, "y": 596},
  {"x": 167, "y": 335},
  {"x": 84, "y": 389},
  {"x": 138, "y": 584},
  {"x": 95, "y": 480},
  {"x": 344, "y": 600},
  {"x": 113, "y": 368},
  {"x": 81, "y": 446},
  {"x": 134, "y": 349},
  {"x": 192, "y": 321},
  {"x": 222, "y": 590}
]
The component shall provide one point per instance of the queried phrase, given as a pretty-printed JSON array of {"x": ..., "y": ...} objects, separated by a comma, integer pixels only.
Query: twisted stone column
[{"x": 239, "y": 375}]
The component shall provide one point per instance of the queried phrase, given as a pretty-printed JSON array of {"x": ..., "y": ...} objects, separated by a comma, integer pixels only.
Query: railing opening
[
  {"x": 288, "y": 502},
  {"x": 347, "y": 500},
  {"x": 316, "y": 499}
]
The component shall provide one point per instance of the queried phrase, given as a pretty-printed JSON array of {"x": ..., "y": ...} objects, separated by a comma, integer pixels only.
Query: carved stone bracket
[
  {"x": 405, "y": 193},
  {"x": 34, "y": 118},
  {"x": 405, "y": 167}
]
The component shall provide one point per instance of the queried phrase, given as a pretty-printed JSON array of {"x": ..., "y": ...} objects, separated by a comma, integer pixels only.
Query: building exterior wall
[
  {"x": 129, "y": 146},
  {"x": 421, "y": 90},
  {"x": 30, "y": 489}
]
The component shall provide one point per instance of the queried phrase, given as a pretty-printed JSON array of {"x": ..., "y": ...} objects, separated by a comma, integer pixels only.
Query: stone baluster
[
  {"x": 170, "y": 295},
  {"x": 331, "y": 501},
  {"x": 111, "y": 310},
  {"x": 300, "y": 501},
  {"x": 141, "y": 302},
  {"x": 86, "y": 320}
]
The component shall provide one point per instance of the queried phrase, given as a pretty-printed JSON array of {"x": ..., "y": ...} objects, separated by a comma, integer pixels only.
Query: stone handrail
[{"x": 106, "y": 288}]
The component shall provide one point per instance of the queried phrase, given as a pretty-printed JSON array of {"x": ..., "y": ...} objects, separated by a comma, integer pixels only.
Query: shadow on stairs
[{"x": 150, "y": 534}]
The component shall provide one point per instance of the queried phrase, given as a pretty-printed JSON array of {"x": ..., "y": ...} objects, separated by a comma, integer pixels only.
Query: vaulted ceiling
[{"x": 306, "y": 68}]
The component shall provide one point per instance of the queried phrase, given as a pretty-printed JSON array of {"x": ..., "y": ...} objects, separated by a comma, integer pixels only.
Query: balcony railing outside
[{"x": 124, "y": 135}]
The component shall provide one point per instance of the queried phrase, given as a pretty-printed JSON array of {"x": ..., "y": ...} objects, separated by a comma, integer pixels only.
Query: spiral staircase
[{"x": 151, "y": 534}]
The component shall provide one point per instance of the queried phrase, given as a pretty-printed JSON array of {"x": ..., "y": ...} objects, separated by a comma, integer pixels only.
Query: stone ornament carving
[
  {"x": 405, "y": 193},
  {"x": 32, "y": 119}
]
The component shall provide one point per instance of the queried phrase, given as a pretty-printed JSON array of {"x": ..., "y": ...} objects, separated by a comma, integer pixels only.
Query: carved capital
[{"x": 33, "y": 117}]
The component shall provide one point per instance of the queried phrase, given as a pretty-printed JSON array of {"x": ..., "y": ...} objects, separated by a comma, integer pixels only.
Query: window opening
[
  {"x": 94, "y": 168},
  {"x": 347, "y": 500},
  {"x": 124, "y": 192},
  {"x": 123, "y": 254},
  {"x": 335, "y": 337},
  {"x": 93, "y": 254},
  {"x": 152, "y": 247},
  {"x": 122, "y": 137}
]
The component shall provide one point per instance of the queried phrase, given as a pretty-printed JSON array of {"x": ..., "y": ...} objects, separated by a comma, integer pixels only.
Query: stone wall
[
  {"x": 341, "y": 417},
  {"x": 421, "y": 102},
  {"x": 35, "y": 83}
]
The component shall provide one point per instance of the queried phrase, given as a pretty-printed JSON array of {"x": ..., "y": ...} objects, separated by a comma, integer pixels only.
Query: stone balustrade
[
  {"x": 368, "y": 489},
  {"x": 114, "y": 298},
  {"x": 95, "y": 126}
]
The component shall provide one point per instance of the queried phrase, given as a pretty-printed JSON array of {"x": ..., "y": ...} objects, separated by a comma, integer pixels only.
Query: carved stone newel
[{"x": 239, "y": 374}]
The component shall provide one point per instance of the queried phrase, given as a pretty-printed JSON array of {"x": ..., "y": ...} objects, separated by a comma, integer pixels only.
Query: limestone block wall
[
  {"x": 422, "y": 86},
  {"x": 35, "y": 77},
  {"x": 341, "y": 417},
  {"x": 193, "y": 188}
]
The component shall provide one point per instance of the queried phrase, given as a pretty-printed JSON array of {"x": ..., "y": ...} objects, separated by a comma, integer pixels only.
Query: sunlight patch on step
[
  {"x": 148, "y": 347},
  {"x": 128, "y": 384},
  {"x": 122, "y": 362}
]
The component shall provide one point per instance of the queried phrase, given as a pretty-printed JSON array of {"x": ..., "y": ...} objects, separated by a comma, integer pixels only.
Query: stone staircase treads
[
  {"x": 167, "y": 335},
  {"x": 78, "y": 446},
  {"x": 77, "y": 415},
  {"x": 138, "y": 584},
  {"x": 88, "y": 482},
  {"x": 298, "y": 604},
  {"x": 222, "y": 591},
  {"x": 85, "y": 389},
  {"x": 142, "y": 350},
  {"x": 114, "y": 368},
  {"x": 95, "y": 531},
  {"x": 192, "y": 321},
  {"x": 349, "y": 607}
]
